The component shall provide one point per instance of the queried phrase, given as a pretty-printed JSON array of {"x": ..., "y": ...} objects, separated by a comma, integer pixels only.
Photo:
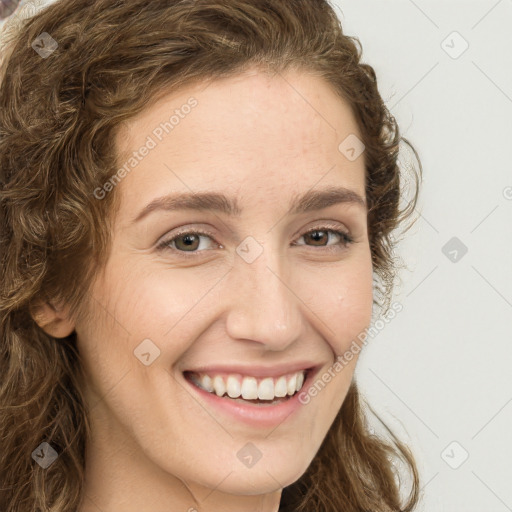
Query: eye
[
  {"x": 185, "y": 239},
  {"x": 190, "y": 241},
  {"x": 320, "y": 234}
]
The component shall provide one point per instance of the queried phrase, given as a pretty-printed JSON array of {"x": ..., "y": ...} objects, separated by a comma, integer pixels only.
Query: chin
[{"x": 262, "y": 478}]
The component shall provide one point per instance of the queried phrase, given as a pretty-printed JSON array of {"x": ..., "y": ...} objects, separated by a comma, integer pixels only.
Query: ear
[{"x": 53, "y": 319}]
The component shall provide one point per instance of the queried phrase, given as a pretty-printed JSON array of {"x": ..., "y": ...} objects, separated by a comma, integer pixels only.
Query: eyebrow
[{"x": 310, "y": 201}]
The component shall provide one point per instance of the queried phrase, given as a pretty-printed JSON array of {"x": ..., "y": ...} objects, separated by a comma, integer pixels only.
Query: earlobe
[{"x": 54, "y": 320}]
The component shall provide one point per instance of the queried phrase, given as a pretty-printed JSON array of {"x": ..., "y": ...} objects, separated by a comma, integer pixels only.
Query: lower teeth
[{"x": 258, "y": 401}]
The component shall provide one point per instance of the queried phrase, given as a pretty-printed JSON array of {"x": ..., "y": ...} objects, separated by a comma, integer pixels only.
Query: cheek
[
  {"x": 148, "y": 304},
  {"x": 123, "y": 310},
  {"x": 129, "y": 307},
  {"x": 342, "y": 299}
]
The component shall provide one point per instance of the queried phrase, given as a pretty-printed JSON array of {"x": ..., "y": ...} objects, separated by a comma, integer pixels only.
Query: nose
[{"x": 263, "y": 305}]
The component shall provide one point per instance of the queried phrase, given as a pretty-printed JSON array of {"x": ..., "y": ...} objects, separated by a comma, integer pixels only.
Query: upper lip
[{"x": 255, "y": 370}]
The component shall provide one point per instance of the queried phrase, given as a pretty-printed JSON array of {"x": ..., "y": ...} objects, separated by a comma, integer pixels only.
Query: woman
[{"x": 197, "y": 201}]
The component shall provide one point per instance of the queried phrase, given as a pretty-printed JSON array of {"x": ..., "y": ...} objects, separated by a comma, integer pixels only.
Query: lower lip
[{"x": 254, "y": 414}]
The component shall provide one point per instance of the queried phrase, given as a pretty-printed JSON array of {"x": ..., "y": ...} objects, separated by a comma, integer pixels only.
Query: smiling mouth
[{"x": 250, "y": 390}]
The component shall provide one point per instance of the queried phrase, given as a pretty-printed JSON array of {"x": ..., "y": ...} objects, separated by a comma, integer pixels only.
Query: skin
[{"x": 262, "y": 139}]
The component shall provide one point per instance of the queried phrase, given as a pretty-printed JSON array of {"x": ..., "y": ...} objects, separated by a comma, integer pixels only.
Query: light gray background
[{"x": 439, "y": 373}]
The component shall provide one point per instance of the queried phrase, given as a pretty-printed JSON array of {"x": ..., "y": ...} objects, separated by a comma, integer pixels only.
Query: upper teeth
[{"x": 250, "y": 387}]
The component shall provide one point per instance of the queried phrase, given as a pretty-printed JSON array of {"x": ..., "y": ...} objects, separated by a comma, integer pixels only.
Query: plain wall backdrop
[{"x": 439, "y": 372}]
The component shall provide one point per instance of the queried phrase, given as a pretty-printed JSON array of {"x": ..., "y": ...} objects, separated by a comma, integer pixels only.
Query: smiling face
[{"x": 259, "y": 291}]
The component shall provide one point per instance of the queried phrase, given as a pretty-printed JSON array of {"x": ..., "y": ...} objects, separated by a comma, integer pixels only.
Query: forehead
[{"x": 262, "y": 135}]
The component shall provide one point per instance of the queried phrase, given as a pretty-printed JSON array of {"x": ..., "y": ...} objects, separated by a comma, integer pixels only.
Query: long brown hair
[{"x": 58, "y": 117}]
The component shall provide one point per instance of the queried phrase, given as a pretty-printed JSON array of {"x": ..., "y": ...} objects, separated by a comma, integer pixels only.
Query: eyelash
[{"x": 346, "y": 240}]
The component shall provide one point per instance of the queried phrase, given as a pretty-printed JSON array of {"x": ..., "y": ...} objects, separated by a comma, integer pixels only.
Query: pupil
[
  {"x": 188, "y": 240},
  {"x": 315, "y": 235}
]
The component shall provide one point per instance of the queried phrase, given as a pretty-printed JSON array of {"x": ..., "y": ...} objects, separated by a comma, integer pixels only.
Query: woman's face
[{"x": 260, "y": 292}]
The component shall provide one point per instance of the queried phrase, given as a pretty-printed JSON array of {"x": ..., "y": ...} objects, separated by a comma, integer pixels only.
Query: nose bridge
[{"x": 264, "y": 307}]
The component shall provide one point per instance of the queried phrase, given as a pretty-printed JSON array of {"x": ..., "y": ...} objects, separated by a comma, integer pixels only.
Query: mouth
[{"x": 250, "y": 390}]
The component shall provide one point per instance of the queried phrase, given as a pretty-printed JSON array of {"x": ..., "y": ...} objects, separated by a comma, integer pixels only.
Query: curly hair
[{"x": 58, "y": 120}]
